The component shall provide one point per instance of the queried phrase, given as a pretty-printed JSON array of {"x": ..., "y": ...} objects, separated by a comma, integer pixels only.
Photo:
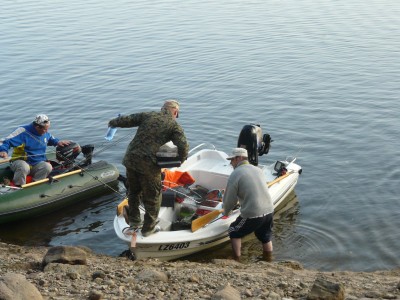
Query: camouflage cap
[
  {"x": 171, "y": 104},
  {"x": 41, "y": 120}
]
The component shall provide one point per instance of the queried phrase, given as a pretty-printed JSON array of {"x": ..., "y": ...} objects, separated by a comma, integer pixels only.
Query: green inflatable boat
[{"x": 70, "y": 182}]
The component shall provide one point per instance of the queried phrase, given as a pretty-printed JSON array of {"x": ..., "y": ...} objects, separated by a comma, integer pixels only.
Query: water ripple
[{"x": 321, "y": 78}]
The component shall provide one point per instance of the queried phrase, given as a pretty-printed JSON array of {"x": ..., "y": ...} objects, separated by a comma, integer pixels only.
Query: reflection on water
[
  {"x": 61, "y": 226},
  {"x": 287, "y": 208}
]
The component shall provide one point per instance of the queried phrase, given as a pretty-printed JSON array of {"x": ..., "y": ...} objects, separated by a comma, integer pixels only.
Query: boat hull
[
  {"x": 175, "y": 248},
  {"x": 35, "y": 200}
]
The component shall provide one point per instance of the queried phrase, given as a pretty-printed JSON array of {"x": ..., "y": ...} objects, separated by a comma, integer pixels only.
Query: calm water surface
[{"x": 321, "y": 77}]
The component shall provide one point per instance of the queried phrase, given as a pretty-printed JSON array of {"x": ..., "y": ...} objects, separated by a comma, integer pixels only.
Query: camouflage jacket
[{"x": 154, "y": 130}]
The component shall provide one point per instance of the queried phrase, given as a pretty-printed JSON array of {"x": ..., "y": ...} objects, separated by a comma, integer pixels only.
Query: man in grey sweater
[{"x": 248, "y": 186}]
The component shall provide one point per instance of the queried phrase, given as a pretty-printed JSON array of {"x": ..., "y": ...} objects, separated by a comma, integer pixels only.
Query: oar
[
  {"x": 47, "y": 179},
  {"x": 3, "y": 161},
  {"x": 11, "y": 187},
  {"x": 279, "y": 179},
  {"x": 204, "y": 220}
]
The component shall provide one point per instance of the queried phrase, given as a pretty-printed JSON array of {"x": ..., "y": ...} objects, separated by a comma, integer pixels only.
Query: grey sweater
[{"x": 248, "y": 185}]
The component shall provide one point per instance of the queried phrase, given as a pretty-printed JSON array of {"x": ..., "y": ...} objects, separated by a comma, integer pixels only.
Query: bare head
[{"x": 173, "y": 106}]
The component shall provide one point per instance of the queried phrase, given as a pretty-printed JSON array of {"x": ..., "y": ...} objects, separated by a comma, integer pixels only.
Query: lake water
[{"x": 322, "y": 77}]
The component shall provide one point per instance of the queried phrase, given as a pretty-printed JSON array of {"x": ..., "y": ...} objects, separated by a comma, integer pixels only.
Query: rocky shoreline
[{"x": 78, "y": 273}]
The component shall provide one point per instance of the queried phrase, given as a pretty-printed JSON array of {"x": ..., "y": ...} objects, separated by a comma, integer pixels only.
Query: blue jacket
[{"x": 28, "y": 144}]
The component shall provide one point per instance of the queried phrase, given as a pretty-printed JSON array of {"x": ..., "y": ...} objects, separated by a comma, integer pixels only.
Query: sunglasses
[{"x": 43, "y": 126}]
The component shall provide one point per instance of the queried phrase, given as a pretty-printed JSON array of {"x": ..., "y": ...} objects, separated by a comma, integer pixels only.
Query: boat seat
[
  {"x": 168, "y": 198},
  {"x": 209, "y": 180}
]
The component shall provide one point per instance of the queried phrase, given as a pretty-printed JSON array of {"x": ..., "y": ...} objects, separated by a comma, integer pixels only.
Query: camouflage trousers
[{"x": 144, "y": 185}]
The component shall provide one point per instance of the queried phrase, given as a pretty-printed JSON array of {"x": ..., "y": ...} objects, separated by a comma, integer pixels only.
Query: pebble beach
[{"x": 66, "y": 272}]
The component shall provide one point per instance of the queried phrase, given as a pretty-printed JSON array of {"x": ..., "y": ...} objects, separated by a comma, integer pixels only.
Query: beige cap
[
  {"x": 171, "y": 104},
  {"x": 238, "y": 152}
]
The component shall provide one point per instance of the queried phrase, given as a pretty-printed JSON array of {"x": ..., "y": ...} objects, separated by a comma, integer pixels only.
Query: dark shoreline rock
[{"x": 106, "y": 277}]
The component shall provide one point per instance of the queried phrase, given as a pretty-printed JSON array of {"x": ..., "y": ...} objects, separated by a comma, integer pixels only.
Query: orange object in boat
[{"x": 175, "y": 178}]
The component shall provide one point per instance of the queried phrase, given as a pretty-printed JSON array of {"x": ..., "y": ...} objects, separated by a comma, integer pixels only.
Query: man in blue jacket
[{"x": 29, "y": 155}]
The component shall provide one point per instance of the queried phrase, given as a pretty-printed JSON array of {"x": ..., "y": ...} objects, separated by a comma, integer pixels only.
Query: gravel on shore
[{"x": 105, "y": 277}]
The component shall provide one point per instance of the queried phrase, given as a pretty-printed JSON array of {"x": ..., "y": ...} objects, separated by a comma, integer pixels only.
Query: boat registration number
[{"x": 176, "y": 246}]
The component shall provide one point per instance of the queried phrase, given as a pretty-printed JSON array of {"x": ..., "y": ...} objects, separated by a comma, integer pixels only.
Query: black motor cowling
[
  {"x": 252, "y": 139},
  {"x": 68, "y": 153},
  {"x": 87, "y": 151}
]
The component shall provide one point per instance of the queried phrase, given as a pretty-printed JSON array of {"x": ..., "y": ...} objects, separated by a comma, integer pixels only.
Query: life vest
[{"x": 176, "y": 178}]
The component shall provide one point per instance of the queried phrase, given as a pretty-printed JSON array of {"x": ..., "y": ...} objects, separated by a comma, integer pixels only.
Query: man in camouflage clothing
[{"x": 143, "y": 174}]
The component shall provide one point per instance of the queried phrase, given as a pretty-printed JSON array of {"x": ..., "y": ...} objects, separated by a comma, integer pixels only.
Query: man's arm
[
  {"x": 12, "y": 140},
  {"x": 132, "y": 120},
  {"x": 179, "y": 139},
  {"x": 230, "y": 196}
]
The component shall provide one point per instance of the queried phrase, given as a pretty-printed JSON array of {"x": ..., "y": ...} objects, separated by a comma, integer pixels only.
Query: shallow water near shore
[{"x": 321, "y": 78}]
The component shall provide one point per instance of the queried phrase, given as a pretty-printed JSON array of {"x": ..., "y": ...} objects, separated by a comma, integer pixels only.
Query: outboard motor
[
  {"x": 87, "y": 151},
  {"x": 251, "y": 138},
  {"x": 68, "y": 153}
]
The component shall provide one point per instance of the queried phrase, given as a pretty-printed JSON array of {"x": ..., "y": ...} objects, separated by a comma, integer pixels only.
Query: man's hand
[
  {"x": 112, "y": 123},
  {"x": 63, "y": 143}
]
